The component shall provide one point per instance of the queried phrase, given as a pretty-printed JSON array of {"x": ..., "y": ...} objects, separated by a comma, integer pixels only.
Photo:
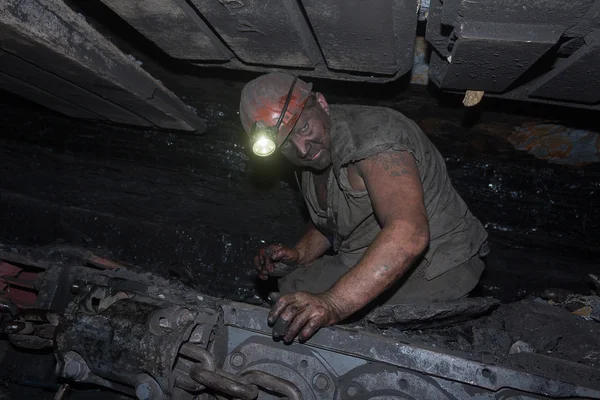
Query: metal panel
[
  {"x": 577, "y": 78},
  {"x": 435, "y": 34},
  {"x": 491, "y": 57},
  {"x": 53, "y": 37},
  {"x": 65, "y": 90},
  {"x": 502, "y": 47},
  {"x": 450, "y": 365},
  {"x": 365, "y": 36},
  {"x": 450, "y": 12},
  {"x": 262, "y": 32},
  {"x": 174, "y": 26},
  {"x": 587, "y": 24},
  {"x": 551, "y": 12},
  {"x": 44, "y": 98}
]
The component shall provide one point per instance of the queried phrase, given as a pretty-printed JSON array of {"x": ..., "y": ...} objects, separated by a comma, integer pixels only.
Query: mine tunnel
[{"x": 135, "y": 199}]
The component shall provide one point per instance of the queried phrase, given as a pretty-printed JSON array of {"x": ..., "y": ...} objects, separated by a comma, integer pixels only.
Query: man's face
[{"x": 308, "y": 143}]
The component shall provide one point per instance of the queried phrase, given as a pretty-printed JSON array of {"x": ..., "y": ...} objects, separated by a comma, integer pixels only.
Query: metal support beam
[{"x": 47, "y": 45}]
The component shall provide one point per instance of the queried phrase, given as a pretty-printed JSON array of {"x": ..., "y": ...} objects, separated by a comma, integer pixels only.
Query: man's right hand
[{"x": 276, "y": 260}]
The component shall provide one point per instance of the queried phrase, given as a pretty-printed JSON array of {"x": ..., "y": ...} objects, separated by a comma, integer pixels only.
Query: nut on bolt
[
  {"x": 238, "y": 360},
  {"x": 74, "y": 366},
  {"x": 197, "y": 334},
  {"x": 321, "y": 382},
  {"x": 143, "y": 391},
  {"x": 77, "y": 286},
  {"x": 74, "y": 370},
  {"x": 353, "y": 390},
  {"x": 147, "y": 388}
]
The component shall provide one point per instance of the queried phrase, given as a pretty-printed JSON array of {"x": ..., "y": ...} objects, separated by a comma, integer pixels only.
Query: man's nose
[{"x": 302, "y": 147}]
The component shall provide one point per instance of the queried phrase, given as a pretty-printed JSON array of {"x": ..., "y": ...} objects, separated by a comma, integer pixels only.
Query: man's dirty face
[{"x": 308, "y": 143}]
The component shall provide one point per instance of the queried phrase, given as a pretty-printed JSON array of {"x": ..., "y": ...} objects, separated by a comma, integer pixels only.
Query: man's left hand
[{"x": 302, "y": 314}]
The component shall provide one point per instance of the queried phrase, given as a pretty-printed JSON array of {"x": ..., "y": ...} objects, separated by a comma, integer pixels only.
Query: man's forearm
[
  {"x": 312, "y": 245},
  {"x": 389, "y": 256}
]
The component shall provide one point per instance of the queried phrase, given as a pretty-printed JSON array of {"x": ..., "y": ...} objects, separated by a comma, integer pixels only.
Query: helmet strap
[{"x": 286, "y": 104}]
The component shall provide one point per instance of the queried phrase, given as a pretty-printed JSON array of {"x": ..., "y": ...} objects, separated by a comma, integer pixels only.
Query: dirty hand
[
  {"x": 276, "y": 260},
  {"x": 302, "y": 314}
]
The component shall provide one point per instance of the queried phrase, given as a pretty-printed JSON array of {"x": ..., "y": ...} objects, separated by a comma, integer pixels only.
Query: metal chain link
[{"x": 245, "y": 386}]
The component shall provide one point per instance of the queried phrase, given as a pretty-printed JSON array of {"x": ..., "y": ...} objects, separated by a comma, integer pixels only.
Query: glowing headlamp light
[
  {"x": 263, "y": 137},
  {"x": 263, "y": 140}
]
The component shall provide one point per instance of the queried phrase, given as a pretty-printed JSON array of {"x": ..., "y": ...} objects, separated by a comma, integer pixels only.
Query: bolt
[
  {"x": 143, "y": 391},
  {"x": 76, "y": 287},
  {"x": 147, "y": 388},
  {"x": 352, "y": 391},
  {"x": 163, "y": 323},
  {"x": 321, "y": 382},
  {"x": 238, "y": 360},
  {"x": 6, "y": 307},
  {"x": 197, "y": 333},
  {"x": 73, "y": 369}
]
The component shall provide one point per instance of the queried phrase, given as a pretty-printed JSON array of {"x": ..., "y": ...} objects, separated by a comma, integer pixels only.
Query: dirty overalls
[{"x": 451, "y": 265}]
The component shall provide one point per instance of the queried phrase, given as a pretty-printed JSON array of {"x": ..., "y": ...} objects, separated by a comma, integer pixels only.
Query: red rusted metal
[
  {"x": 420, "y": 70},
  {"x": 18, "y": 285},
  {"x": 103, "y": 263},
  {"x": 557, "y": 143},
  {"x": 7, "y": 269}
]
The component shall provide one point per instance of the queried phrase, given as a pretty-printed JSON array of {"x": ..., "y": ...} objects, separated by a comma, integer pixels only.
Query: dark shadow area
[{"x": 198, "y": 206}]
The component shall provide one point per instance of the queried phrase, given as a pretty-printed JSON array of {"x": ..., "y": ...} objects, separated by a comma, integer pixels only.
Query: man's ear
[{"x": 322, "y": 102}]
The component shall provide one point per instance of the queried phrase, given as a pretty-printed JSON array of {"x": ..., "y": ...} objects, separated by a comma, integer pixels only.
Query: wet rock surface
[
  {"x": 200, "y": 205},
  {"x": 428, "y": 315},
  {"x": 523, "y": 335}
]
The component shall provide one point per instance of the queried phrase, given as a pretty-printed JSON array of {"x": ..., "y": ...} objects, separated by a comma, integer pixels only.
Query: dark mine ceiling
[
  {"x": 62, "y": 54},
  {"x": 543, "y": 50}
]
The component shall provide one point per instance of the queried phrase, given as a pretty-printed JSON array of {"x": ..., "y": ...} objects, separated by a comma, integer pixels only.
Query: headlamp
[{"x": 264, "y": 137}]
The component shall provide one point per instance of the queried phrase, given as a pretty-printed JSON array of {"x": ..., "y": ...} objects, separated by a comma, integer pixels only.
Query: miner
[{"x": 381, "y": 206}]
